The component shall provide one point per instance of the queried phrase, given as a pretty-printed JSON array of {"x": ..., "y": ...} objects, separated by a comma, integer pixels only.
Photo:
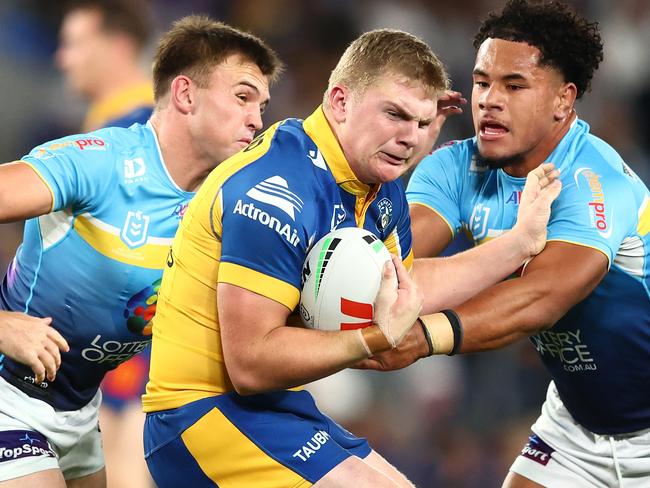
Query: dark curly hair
[{"x": 567, "y": 42}]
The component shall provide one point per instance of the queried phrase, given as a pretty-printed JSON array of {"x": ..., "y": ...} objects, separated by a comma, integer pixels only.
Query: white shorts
[
  {"x": 35, "y": 437},
  {"x": 563, "y": 454}
]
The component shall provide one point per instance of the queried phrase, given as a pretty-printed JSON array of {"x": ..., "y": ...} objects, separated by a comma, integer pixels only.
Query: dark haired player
[{"x": 584, "y": 299}]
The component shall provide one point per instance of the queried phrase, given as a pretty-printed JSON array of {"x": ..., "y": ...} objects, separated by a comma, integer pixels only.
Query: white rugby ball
[{"x": 341, "y": 277}]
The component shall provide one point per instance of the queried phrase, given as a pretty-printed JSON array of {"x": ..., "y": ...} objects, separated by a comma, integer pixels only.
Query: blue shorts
[{"x": 275, "y": 440}]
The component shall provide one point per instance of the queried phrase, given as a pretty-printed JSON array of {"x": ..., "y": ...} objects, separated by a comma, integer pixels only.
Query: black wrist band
[
  {"x": 427, "y": 336},
  {"x": 457, "y": 327}
]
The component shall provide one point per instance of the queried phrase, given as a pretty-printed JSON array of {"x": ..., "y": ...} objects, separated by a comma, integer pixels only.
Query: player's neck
[
  {"x": 543, "y": 150},
  {"x": 186, "y": 168}
]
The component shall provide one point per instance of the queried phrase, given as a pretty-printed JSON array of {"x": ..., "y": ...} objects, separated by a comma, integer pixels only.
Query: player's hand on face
[
  {"x": 449, "y": 103},
  {"x": 32, "y": 341},
  {"x": 398, "y": 302},
  {"x": 541, "y": 189}
]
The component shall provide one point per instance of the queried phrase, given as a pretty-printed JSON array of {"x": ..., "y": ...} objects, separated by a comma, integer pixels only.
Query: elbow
[{"x": 247, "y": 381}]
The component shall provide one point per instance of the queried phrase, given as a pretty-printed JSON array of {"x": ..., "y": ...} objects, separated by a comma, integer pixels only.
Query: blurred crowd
[{"x": 452, "y": 422}]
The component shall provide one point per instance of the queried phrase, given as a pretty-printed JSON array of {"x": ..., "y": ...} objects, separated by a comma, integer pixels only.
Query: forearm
[
  {"x": 447, "y": 282},
  {"x": 289, "y": 356}
]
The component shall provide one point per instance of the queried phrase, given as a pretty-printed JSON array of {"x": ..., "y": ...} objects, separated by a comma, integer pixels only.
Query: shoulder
[{"x": 282, "y": 153}]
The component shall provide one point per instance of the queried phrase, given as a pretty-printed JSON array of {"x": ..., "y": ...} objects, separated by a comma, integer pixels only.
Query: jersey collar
[{"x": 318, "y": 129}]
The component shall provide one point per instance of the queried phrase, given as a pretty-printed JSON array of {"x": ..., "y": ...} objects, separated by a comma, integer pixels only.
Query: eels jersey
[
  {"x": 95, "y": 262},
  {"x": 126, "y": 107},
  {"x": 598, "y": 353},
  {"x": 251, "y": 225}
]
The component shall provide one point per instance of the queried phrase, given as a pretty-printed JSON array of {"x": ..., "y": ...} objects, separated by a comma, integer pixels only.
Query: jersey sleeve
[
  {"x": 594, "y": 209},
  {"x": 435, "y": 183},
  {"x": 74, "y": 168},
  {"x": 264, "y": 237}
]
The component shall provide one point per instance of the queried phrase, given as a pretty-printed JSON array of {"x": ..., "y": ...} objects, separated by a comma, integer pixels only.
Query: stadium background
[{"x": 451, "y": 422}]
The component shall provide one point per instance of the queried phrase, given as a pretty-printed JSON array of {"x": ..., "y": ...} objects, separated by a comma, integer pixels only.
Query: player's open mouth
[{"x": 491, "y": 130}]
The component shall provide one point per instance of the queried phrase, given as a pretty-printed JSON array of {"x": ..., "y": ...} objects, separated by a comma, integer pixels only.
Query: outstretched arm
[
  {"x": 23, "y": 194},
  {"x": 561, "y": 276},
  {"x": 446, "y": 282}
]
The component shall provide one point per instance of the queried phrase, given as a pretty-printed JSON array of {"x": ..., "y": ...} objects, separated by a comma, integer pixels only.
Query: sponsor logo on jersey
[
  {"x": 385, "y": 214},
  {"x": 102, "y": 351},
  {"x": 565, "y": 347},
  {"x": 16, "y": 444},
  {"x": 86, "y": 144},
  {"x": 250, "y": 211},
  {"x": 134, "y": 231},
  {"x": 597, "y": 208},
  {"x": 180, "y": 210},
  {"x": 514, "y": 198},
  {"x": 275, "y": 191},
  {"x": 134, "y": 170},
  {"x": 141, "y": 307},
  {"x": 478, "y": 221},
  {"x": 317, "y": 159},
  {"x": 338, "y": 216},
  {"x": 312, "y": 446},
  {"x": 537, "y": 450}
]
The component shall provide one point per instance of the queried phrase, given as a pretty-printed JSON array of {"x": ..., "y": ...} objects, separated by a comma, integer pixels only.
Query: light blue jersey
[
  {"x": 598, "y": 353},
  {"x": 95, "y": 262}
]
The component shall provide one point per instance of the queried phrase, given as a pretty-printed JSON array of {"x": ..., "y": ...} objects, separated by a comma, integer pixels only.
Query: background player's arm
[
  {"x": 262, "y": 353},
  {"x": 23, "y": 194},
  {"x": 554, "y": 281}
]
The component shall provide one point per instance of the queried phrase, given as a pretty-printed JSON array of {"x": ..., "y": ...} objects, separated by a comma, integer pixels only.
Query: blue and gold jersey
[
  {"x": 95, "y": 262},
  {"x": 598, "y": 353},
  {"x": 124, "y": 108},
  {"x": 251, "y": 225}
]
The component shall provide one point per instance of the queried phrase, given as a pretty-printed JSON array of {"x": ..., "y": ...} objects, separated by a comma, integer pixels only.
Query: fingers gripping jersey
[
  {"x": 599, "y": 352},
  {"x": 251, "y": 225},
  {"x": 94, "y": 264}
]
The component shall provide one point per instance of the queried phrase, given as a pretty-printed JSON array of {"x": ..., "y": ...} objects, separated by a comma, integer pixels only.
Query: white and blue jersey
[
  {"x": 95, "y": 262},
  {"x": 598, "y": 353}
]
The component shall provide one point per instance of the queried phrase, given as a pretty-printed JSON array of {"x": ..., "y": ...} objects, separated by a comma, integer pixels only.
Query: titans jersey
[
  {"x": 598, "y": 353},
  {"x": 251, "y": 225},
  {"x": 95, "y": 262}
]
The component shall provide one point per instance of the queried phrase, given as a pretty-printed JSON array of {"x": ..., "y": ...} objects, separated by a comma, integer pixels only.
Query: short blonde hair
[{"x": 380, "y": 52}]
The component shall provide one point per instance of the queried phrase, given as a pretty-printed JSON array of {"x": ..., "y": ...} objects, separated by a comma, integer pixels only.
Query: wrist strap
[
  {"x": 427, "y": 337},
  {"x": 457, "y": 327}
]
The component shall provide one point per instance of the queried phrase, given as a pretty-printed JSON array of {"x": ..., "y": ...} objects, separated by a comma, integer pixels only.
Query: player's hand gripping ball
[{"x": 341, "y": 277}]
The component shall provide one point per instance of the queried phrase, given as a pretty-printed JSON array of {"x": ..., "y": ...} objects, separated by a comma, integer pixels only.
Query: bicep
[
  {"x": 245, "y": 318},
  {"x": 567, "y": 272},
  {"x": 23, "y": 194},
  {"x": 431, "y": 233}
]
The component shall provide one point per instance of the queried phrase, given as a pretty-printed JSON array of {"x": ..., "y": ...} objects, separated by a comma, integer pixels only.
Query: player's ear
[
  {"x": 182, "y": 94},
  {"x": 566, "y": 99},
  {"x": 338, "y": 97}
]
